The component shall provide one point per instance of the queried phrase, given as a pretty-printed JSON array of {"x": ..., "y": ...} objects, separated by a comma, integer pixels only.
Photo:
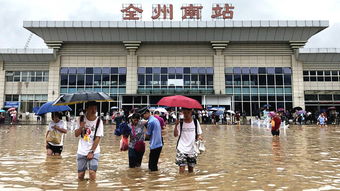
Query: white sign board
[{"x": 175, "y": 82}]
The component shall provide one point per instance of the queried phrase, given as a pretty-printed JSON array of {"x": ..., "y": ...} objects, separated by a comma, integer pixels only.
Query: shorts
[
  {"x": 274, "y": 132},
  {"x": 55, "y": 149},
  {"x": 183, "y": 159},
  {"x": 84, "y": 164}
]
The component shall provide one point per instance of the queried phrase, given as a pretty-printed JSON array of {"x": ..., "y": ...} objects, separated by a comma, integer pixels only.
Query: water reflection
[{"x": 237, "y": 158}]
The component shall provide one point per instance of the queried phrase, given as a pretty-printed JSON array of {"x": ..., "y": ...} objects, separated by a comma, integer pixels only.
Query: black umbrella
[
  {"x": 297, "y": 108},
  {"x": 81, "y": 97}
]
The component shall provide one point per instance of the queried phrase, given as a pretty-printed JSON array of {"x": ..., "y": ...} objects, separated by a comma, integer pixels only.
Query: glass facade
[
  {"x": 111, "y": 80},
  {"x": 169, "y": 80},
  {"x": 27, "y": 101},
  {"x": 321, "y": 75},
  {"x": 255, "y": 87},
  {"x": 26, "y": 76}
]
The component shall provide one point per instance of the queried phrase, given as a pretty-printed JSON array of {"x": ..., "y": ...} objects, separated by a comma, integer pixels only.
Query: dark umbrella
[
  {"x": 49, "y": 107},
  {"x": 297, "y": 108},
  {"x": 180, "y": 101},
  {"x": 267, "y": 105},
  {"x": 81, "y": 97}
]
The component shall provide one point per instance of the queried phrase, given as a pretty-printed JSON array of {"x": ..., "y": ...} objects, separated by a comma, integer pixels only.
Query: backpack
[{"x": 181, "y": 128}]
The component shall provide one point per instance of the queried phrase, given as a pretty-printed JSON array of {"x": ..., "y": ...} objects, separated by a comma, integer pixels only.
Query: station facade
[{"x": 238, "y": 65}]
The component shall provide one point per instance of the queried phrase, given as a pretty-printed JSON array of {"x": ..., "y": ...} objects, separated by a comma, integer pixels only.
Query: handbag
[
  {"x": 124, "y": 145},
  {"x": 139, "y": 145},
  {"x": 54, "y": 137},
  {"x": 201, "y": 146}
]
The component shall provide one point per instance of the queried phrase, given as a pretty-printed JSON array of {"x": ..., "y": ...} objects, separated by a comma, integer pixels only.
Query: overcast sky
[{"x": 14, "y": 12}]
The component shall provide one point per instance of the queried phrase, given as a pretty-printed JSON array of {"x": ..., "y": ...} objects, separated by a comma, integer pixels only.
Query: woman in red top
[{"x": 276, "y": 123}]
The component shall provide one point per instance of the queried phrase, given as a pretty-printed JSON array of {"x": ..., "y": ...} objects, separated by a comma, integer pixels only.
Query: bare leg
[
  {"x": 92, "y": 175},
  {"x": 181, "y": 169},
  {"x": 190, "y": 169},
  {"x": 49, "y": 152},
  {"x": 81, "y": 175}
]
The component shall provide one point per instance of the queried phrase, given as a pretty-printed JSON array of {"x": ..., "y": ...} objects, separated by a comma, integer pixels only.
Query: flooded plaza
[{"x": 237, "y": 158}]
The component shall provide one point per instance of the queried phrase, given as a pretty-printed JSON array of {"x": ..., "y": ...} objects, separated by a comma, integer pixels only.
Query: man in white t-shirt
[
  {"x": 59, "y": 127},
  {"x": 88, "y": 147},
  {"x": 188, "y": 134}
]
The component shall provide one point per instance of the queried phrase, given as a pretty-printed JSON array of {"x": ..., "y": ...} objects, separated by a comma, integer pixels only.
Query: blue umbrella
[
  {"x": 36, "y": 109},
  {"x": 2, "y": 111},
  {"x": 219, "y": 112},
  {"x": 49, "y": 107}
]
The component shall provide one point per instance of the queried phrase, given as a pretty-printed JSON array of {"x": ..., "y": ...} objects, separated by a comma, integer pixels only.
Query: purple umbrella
[
  {"x": 271, "y": 114},
  {"x": 301, "y": 112}
]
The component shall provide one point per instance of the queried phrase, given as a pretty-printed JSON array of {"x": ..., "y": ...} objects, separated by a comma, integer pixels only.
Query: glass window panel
[
  {"x": 254, "y": 70},
  {"x": 237, "y": 79},
  {"x": 63, "y": 70},
  {"x": 270, "y": 80},
  {"x": 288, "y": 90},
  {"x": 194, "y": 70},
  {"x": 210, "y": 80},
  {"x": 164, "y": 70},
  {"x": 334, "y": 73},
  {"x": 121, "y": 70},
  {"x": 201, "y": 70},
  {"x": 148, "y": 79},
  {"x": 25, "y": 76},
  {"x": 72, "y": 80},
  {"x": 114, "y": 70},
  {"x": 335, "y": 79},
  {"x": 305, "y": 72},
  {"x": 237, "y": 90},
  {"x": 312, "y": 79},
  {"x": 306, "y": 79},
  {"x": 63, "y": 90},
  {"x": 97, "y": 70},
  {"x": 328, "y": 79},
  {"x": 287, "y": 70},
  {"x": 141, "y": 70},
  {"x": 325, "y": 97},
  {"x": 336, "y": 97},
  {"x": 172, "y": 76},
  {"x": 245, "y": 80},
  {"x": 80, "y": 70},
  {"x": 89, "y": 79},
  {"x": 263, "y": 97},
  {"x": 246, "y": 90},
  {"x": 321, "y": 79},
  {"x": 229, "y": 79},
  {"x": 254, "y": 80},
  {"x": 320, "y": 73},
  {"x": 172, "y": 70},
  {"x": 312, "y": 73},
  {"x": 287, "y": 79},
  {"x": 156, "y": 70},
  {"x": 210, "y": 70},
  {"x": 23, "y": 97},
  {"x": 262, "y": 70},
  {"x": 262, "y": 80},
  {"x": 237, "y": 70},
  {"x": 179, "y": 70},
  {"x": 279, "y": 90},
  {"x": 270, "y": 70},
  {"x": 288, "y": 98},
  {"x": 327, "y": 73},
  {"x": 89, "y": 70},
  {"x": 262, "y": 90},
  {"x": 8, "y": 98},
  {"x": 97, "y": 80},
  {"x": 39, "y": 76},
  {"x": 278, "y": 70},
  {"x": 80, "y": 79},
  {"x": 186, "y": 70},
  {"x": 237, "y": 98},
  {"x": 46, "y": 76},
  {"x": 271, "y": 98},
  {"x": 245, "y": 70},
  {"x": 106, "y": 80},
  {"x": 202, "y": 80},
  {"x": 72, "y": 70},
  {"x": 254, "y": 90},
  {"x": 122, "y": 80},
  {"x": 279, "y": 80},
  {"x": 254, "y": 97},
  {"x": 271, "y": 90},
  {"x": 186, "y": 79},
  {"x": 246, "y": 97},
  {"x": 106, "y": 70},
  {"x": 97, "y": 89},
  {"x": 179, "y": 76},
  {"x": 229, "y": 90},
  {"x": 311, "y": 97}
]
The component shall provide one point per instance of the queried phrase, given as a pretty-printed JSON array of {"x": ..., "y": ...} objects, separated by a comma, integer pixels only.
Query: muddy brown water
[{"x": 237, "y": 158}]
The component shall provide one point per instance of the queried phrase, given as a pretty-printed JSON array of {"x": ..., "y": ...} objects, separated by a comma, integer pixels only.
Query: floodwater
[{"x": 237, "y": 158}]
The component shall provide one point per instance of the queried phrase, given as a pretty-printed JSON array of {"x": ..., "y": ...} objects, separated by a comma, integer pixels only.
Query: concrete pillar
[
  {"x": 219, "y": 76},
  {"x": 54, "y": 79},
  {"x": 131, "y": 66},
  {"x": 2, "y": 84},
  {"x": 297, "y": 83}
]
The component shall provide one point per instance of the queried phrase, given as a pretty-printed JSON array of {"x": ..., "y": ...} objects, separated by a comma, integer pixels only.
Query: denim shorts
[{"x": 84, "y": 164}]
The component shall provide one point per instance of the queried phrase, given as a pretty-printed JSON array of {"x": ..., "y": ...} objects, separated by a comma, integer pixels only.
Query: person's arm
[
  {"x": 62, "y": 130},
  {"x": 80, "y": 129},
  {"x": 199, "y": 131},
  {"x": 176, "y": 128},
  {"x": 99, "y": 134},
  {"x": 47, "y": 135},
  {"x": 149, "y": 130}
]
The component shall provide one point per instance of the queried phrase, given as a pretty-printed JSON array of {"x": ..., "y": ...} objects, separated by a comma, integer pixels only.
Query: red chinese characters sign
[
  {"x": 162, "y": 11},
  {"x": 132, "y": 12},
  {"x": 222, "y": 12},
  {"x": 165, "y": 12}
]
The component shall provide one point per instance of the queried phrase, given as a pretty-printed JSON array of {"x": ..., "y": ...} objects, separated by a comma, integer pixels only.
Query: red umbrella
[
  {"x": 11, "y": 109},
  {"x": 180, "y": 101}
]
